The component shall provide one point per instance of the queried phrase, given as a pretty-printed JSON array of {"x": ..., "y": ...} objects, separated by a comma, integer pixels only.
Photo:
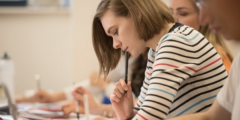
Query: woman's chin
[{"x": 134, "y": 54}]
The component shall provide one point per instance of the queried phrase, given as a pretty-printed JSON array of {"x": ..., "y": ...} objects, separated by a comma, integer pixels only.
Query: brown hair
[
  {"x": 155, "y": 15},
  {"x": 138, "y": 72},
  {"x": 214, "y": 39}
]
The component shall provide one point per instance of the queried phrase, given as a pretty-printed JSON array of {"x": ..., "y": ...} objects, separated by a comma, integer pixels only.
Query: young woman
[
  {"x": 187, "y": 13},
  {"x": 183, "y": 74}
]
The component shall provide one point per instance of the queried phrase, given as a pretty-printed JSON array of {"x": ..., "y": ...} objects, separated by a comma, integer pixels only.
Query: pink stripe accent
[
  {"x": 191, "y": 68},
  {"x": 187, "y": 66},
  {"x": 166, "y": 65},
  {"x": 204, "y": 67},
  {"x": 142, "y": 117},
  {"x": 210, "y": 64},
  {"x": 148, "y": 73}
]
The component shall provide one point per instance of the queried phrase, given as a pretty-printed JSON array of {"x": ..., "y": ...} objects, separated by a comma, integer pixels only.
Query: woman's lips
[{"x": 215, "y": 29}]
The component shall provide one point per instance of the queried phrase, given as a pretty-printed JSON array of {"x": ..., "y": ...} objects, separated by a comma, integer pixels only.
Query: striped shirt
[{"x": 183, "y": 75}]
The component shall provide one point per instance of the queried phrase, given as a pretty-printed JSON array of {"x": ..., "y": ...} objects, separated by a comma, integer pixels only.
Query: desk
[
  {"x": 23, "y": 112},
  {"x": 8, "y": 117}
]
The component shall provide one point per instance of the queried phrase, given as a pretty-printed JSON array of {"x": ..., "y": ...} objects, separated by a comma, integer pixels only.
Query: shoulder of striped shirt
[
  {"x": 186, "y": 36},
  {"x": 172, "y": 36},
  {"x": 178, "y": 36}
]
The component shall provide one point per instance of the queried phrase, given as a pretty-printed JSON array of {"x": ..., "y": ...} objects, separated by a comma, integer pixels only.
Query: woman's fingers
[
  {"x": 67, "y": 110},
  {"x": 129, "y": 92},
  {"x": 79, "y": 90},
  {"x": 124, "y": 85},
  {"x": 120, "y": 88},
  {"x": 117, "y": 92},
  {"x": 67, "y": 107},
  {"x": 114, "y": 98},
  {"x": 77, "y": 96}
]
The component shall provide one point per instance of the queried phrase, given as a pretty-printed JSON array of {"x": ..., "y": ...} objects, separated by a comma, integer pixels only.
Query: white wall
[
  {"x": 38, "y": 44},
  {"x": 56, "y": 46},
  {"x": 84, "y": 55}
]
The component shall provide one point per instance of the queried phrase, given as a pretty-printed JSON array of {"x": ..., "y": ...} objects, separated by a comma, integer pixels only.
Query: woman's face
[
  {"x": 222, "y": 17},
  {"x": 185, "y": 12},
  {"x": 123, "y": 32}
]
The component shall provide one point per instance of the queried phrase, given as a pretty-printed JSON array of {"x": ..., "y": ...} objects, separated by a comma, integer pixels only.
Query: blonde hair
[
  {"x": 155, "y": 15},
  {"x": 214, "y": 39}
]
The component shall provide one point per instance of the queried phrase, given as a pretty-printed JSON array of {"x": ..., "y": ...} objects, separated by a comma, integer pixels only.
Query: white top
[{"x": 229, "y": 96}]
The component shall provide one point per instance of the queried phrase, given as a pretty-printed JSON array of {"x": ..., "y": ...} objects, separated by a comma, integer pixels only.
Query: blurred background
[{"x": 51, "y": 38}]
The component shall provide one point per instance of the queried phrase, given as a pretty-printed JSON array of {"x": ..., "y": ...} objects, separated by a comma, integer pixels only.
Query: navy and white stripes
[{"x": 183, "y": 76}]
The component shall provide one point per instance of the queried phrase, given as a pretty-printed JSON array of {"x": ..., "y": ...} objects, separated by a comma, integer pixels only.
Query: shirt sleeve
[
  {"x": 228, "y": 93},
  {"x": 165, "y": 79}
]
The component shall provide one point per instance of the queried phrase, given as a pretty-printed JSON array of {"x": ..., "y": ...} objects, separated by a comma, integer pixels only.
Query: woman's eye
[
  {"x": 183, "y": 14},
  {"x": 116, "y": 32}
]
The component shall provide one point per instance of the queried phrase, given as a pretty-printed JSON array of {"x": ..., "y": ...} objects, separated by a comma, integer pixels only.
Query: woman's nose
[
  {"x": 175, "y": 18},
  {"x": 116, "y": 44}
]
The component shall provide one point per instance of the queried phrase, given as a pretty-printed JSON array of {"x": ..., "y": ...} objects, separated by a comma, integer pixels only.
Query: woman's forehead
[{"x": 108, "y": 20}]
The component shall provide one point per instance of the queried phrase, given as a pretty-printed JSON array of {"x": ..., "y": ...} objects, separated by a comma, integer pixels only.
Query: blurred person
[
  {"x": 222, "y": 17},
  {"x": 45, "y": 96},
  {"x": 100, "y": 89},
  {"x": 187, "y": 13}
]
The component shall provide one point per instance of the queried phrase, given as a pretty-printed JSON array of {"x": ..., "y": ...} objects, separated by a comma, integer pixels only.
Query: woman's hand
[
  {"x": 122, "y": 103},
  {"x": 78, "y": 94},
  {"x": 98, "y": 82},
  {"x": 47, "y": 97},
  {"x": 70, "y": 107},
  {"x": 41, "y": 96}
]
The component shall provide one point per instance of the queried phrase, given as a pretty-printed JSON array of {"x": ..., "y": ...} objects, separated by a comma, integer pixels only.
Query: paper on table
[
  {"x": 44, "y": 106},
  {"x": 83, "y": 117},
  {"x": 47, "y": 114},
  {"x": 28, "y": 115},
  {"x": 25, "y": 114}
]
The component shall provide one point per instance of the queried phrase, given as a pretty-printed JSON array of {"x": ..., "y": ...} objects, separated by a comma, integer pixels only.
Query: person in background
[
  {"x": 222, "y": 17},
  {"x": 187, "y": 13},
  {"x": 100, "y": 89},
  {"x": 184, "y": 72},
  {"x": 136, "y": 76}
]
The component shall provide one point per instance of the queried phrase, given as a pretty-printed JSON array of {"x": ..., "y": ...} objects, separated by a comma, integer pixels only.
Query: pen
[
  {"x": 38, "y": 81},
  {"x": 76, "y": 104},
  {"x": 38, "y": 78},
  {"x": 126, "y": 68}
]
